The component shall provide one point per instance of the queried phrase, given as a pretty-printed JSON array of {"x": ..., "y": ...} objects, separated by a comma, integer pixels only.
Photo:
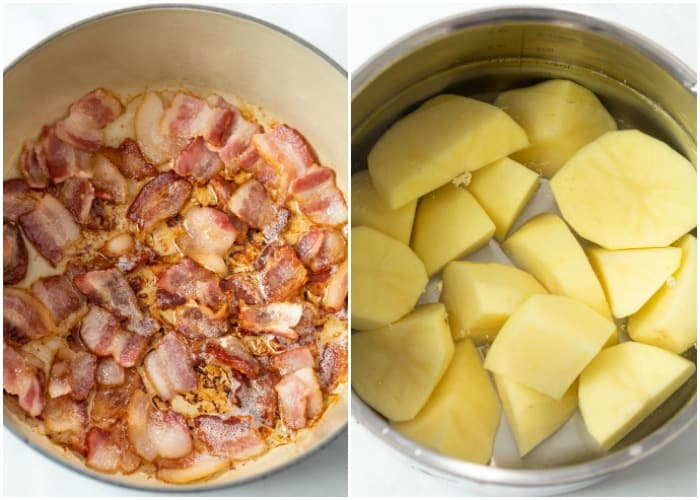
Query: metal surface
[
  {"x": 479, "y": 55},
  {"x": 204, "y": 50}
]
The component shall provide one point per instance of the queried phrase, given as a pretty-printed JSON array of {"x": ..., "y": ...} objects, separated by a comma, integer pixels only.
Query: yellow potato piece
[
  {"x": 546, "y": 343},
  {"x": 627, "y": 190},
  {"x": 449, "y": 224},
  {"x": 387, "y": 279},
  {"x": 560, "y": 117},
  {"x": 396, "y": 368},
  {"x": 624, "y": 384},
  {"x": 369, "y": 210},
  {"x": 480, "y": 297},
  {"x": 462, "y": 415},
  {"x": 435, "y": 143},
  {"x": 631, "y": 277},
  {"x": 503, "y": 188},
  {"x": 532, "y": 416},
  {"x": 669, "y": 319}
]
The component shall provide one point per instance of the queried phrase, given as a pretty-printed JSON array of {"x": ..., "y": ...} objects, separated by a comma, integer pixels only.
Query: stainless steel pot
[
  {"x": 480, "y": 54},
  {"x": 204, "y": 50}
]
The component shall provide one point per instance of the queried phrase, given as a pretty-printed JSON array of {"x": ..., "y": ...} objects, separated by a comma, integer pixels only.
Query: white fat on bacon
[
  {"x": 73, "y": 372},
  {"x": 198, "y": 162},
  {"x": 188, "y": 117},
  {"x": 51, "y": 228},
  {"x": 77, "y": 195},
  {"x": 108, "y": 181},
  {"x": 157, "y": 147},
  {"x": 336, "y": 288},
  {"x": 102, "y": 334},
  {"x": 292, "y": 360},
  {"x": 233, "y": 438},
  {"x": 251, "y": 203},
  {"x": 209, "y": 235},
  {"x": 24, "y": 318},
  {"x": 278, "y": 318},
  {"x": 169, "y": 367},
  {"x": 24, "y": 378},
  {"x": 110, "y": 451},
  {"x": 194, "y": 467},
  {"x": 299, "y": 397},
  {"x": 319, "y": 198},
  {"x": 109, "y": 372},
  {"x": 66, "y": 421},
  {"x": 62, "y": 160},
  {"x": 320, "y": 248},
  {"x": 86, "y": 119}
]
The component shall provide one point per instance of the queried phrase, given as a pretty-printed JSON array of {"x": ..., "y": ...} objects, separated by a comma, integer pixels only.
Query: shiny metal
[
  {"x": 480, "y": 54},
  {"x": 205, "y": 50}
]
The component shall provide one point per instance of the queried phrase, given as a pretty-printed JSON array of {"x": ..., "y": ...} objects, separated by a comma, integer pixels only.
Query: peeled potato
[
  {"x": 435, "y": 143},
  {"x": 559, "y": 117},
  {"x": 387, "y": 279},
  {"x": 627, "y": 190},
  {"x": 462, "y": 415},
  {"x": 369, "y": 210},
  {"x": 631, "y": 277},
  {"x": 669, "y": 319},
  {"x": 546, "y": 343},
  {"x": 395, "y": 368},
  {"x": 503, "y": 188},
  {"x": 532, "y": 416},
  {"x": 624, "y": 384},
  {"x": 480, "y": 296},
  {"x": 449, "y": 224}
]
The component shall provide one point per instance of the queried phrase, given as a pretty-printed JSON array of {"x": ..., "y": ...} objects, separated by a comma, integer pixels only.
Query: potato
[
  {"x": 396, "y": 368},
  {"x": 624, "y": 384},
  {"x": 532, "y": 416},
  {"x": 559, "y": 117},
  {"x": 369, "y": 210},
  {"x": 503, "y": 188},
  {"x": 669, "y": 319},
  {"x": 627, "y": 190},
  {"x": 387, "y": 279},
  {"x": 462, "y": 415},
  {"x": 449, "y": 224},
  {"x": 437, "y": 142},
  {"x": 480, "y": 296},
  {"x": 631, "y": 277},
  {"x": 546, "y": 343}
]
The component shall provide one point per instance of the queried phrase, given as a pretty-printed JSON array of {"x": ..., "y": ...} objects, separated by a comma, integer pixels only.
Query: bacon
[
  {"x": 170, "y": 367},
  {"x": 238, "y": 150},
  {"x": 233, "y": 438},
  {"x": 333, "y": 365},
  {"x": 320, "y": 248},
  {"x": 103, "y": 335},
  {"x": 58, "y": 295},
  {"x": 200, "y": 322},
  {"x": 17, "y": 198},
  {"x": 198, "y": 162},
  {"x": 244, "y": 288},
  {"x": 110, "y": 403},
  {"x": 72, "y": 373},
  {"x": 189, "y": 117},
  {"x": 109, "y": 372},
  {"x": 282, "y": 274},
  {"x": 22, "y": 377},
  {"x": 161, "y": 198},
  {"x": 231, "y": 351},
  {"x": 86, "y": 119},
  {"x": 278, "y": 318},
  {"x": 292, "y": 360},
  {"x": 125, "y": 253},
  {"x": 209, "y": 235},
  {"x": 336, "y": 288},
  {"x": 251, "y": 203},
  {"x": 76, "y": 194},
  {"x": 15, "y": 257},
  {"x": 111, "y": 451},
  {"x": 258, "y": 398},
  {"x": 130, "y": 161},
  {"x": 51, "y": 228},
  {"x": 300, "y": 398},
  {"x": 33, "y": 165},
  {"x": 156, "y": 433},
  {"x": 62, "y": 159},
  {"x": 188, "y": 280},
  {"x": 66, "y": 421},
  {"x": 108, "y": 181},
  {"x": 24, "y": 318},
  {"x": 319, "y": 198},
  {"x": 195, "y": 466}
]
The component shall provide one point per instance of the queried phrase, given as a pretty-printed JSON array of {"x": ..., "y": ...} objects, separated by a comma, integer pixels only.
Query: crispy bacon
[
  {"x": 51, "y": 228},
  {"x": 161, "y": 198},
  {"x": 287, "y": 151},
  {"x": 17, "y": 198},
  {"x": 200, "y": 322},
  {"x": 300, "y": 398},
  {"x": 109, "y": 372},
  {"x": 170, "y": 367},
  {"x": 188, "y": 280},
  {"x": 292, "y": 360},
  {"x": 282, "y": 274},
  {"x": 189, "y": 117},
  {"x": 333, "y": 365},
  {"x": 73, "y": 372},
  {"x": 244, "y": 288},
  {"x": 33, "y": 165},
  {"x": 209, "y": 235},
  {"x": 319, "y": 198},
  {"x": 15, "y": 256},
  {"x": 87, "y": 117},
  {"x": 336, "y": 288},
  {"x": 110, "y": 451},
  {"x": 258, "y": 398},
  {"x": 198, "y": 162},
  {"x": 110, "y": 403},
  {"x": 66, "y": 421},
  {"x": 232, "y": 352},
  {"x": 62, "y": 159},
  {"x": 320, "y": 248},
  {"x": 251, "y": 203},
  {"x": 24, "y": 317},
  {"x": 108, "y": 181},
  {"x": 129, "y": 160},
  {"x": 76, "y": 194},
  {"x": 233, "y": 438},
  {"x": 23, "y": 378},
  {"x": 59, "y": 296},
  {"x": 103, "y": 335},
  {"x": 278, "y": 318}
]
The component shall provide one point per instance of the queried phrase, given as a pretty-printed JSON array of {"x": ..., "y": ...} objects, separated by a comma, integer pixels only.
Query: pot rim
[{"x": 114, "y": 479}]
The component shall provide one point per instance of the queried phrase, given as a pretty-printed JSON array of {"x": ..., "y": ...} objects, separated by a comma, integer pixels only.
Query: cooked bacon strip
[
  {"x": 282, "y": 274},
  {"x": 156, "y": 433},
  {"x": 251, "y": 203},
  {"x": 73, "y": 372},
  {"x": 66, "y": 421},
  {"x": 87, "y": 117},
  {"x": 33, "y": 165},
  {"x": 238, "y": 151},
  {"x": 109, "y": 372},
  {"x": 258, "y": 398},
  {"x": 336, "y": 288},
  {"x": 319, "y": 198},
  {"x": 209, "y": 235},
  {"x": 110, "y": 451},
  {"x": 232, "y": 352},
  {"x": 76, "y": 194},
  {"x": 198, "y": 162},
  {"x": 333, "y": 365},
  {"x": 24, "y": 318},
  {"x": 51, "y": 228},
  {"x": 188, "y": 280},
  {"x": 170, "y": 367},
  {"x": 189, "y": 117},
  {"x": 244, "y": 288},
  {"x": 278, "y": 318},
  {"x": 320, "y": 248},
  {"x": 59, "y": 295},
  {"x": 22, "y": 377},
  {"x": 233, "y": 438},
  {"x": 110, "y": 403},
  {"x": 125, "y": 253},
  {"x": 17, "y": 198},
  {"x": 300, "y": 398},
  {"x": 161, "y": 198},
  {"x": 200, "y": 322},
  {"x": 192, "y": 467},
  {"x": 108, "y": 181},
  {"x": 292, "y": 360},
  {"x": 62, "y": 159},
  {"x": 129, "y": 160},
  {"x": 14, "y": 257},
  {"x": 103, "y": 335}
]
